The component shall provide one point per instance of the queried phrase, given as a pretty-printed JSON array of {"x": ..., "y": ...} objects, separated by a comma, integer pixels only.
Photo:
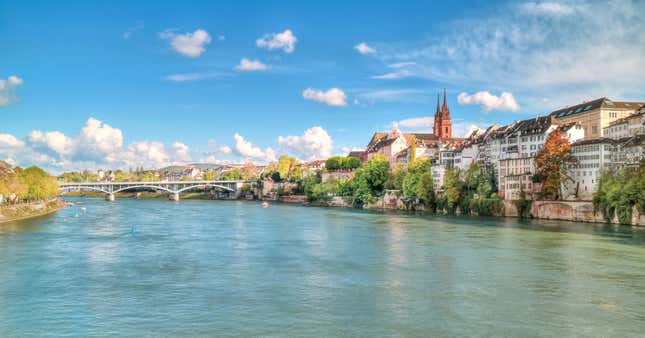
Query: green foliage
[
  {"x": 209, "y": 176},
  {"x": 396, "y": 177},
  {"x": 121, "y": 176},
  {"x": 472, "y": 190},
  {"x": 523, "y": 205},
  {"x": 38, "y": 184},
  {"x": 369, "y": 181},
  {"x": 618, "y": 192},
  {"x": 418, "y": 182},
  {"x": 334, "y": 163},
  {"x": 345, "y": 163},
  {"x": 285, "y": 165},
  {"x": 233, "y": 175}
]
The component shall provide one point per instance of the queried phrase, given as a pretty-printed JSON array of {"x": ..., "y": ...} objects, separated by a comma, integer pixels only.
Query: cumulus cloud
[
  {"x": 225, "y": 150},
  {"x": 189, "y": 44},
  {"x": 490, "y": 102},
  {"x": 247, "y": 65},
  {"x": 332, "y": 97},
  {"x": 285, "y": 41},
  {"x": 97, "y": 145},
  {"x": 364, "y": 48},
  {"x": 51, "y": 141},
  {"x": 314, "y": 143},
  {"x": 7, "y": 90},
  {"x": 247, "y": 149}
]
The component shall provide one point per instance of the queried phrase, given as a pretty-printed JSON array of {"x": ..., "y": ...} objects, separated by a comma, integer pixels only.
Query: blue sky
[{"x": 87, "y": 84}]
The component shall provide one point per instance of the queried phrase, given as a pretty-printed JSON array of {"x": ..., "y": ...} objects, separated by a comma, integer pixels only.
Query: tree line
[{"x": 28, "y": 184}]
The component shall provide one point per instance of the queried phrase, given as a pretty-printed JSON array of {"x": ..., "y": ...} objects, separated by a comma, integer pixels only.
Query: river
[{"x": 223, "y": 268}]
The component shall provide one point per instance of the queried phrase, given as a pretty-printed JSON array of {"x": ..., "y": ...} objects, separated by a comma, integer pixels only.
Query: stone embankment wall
[
  {"x": 14, "y": 212},
  {"x": 568, "y": 211}
]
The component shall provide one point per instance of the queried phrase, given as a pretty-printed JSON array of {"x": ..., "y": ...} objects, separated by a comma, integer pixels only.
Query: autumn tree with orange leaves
[{"x": 552, "y": 163}]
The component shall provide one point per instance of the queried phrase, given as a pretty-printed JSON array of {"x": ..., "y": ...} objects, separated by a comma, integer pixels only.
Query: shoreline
[
  {"x": 60, "y": 204},
  {"x": 299, "y": 200}
]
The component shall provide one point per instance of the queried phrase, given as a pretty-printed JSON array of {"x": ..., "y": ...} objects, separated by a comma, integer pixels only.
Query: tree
[
  {"x": 369, "y": 181},
  {"x": 396, "y": 178},
  {"x": 233, "y": 175},
  {"x": 350, "y": 163},
  {"x": 249, "y": 171},
  {"x": 552, "y": 164},
  {"x": 285, "y": 164},
  {"x": 453, "y": 188},
  {"x": 334, "y": 163},
  {"x": 412, "y": 181},
  {"x": 38, "y": 183},
  {"x": 209, "y": 176}
]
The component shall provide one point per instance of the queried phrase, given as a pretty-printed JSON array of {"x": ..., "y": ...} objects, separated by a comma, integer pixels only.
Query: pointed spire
[
  {"x": 445, "y": 110},
  {"x": 438, "y": 106}
]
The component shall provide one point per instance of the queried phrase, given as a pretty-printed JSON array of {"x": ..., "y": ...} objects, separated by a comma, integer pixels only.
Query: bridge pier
[
  {"x": 109, "y": 197},
  {"x": 174, "y": 196}
]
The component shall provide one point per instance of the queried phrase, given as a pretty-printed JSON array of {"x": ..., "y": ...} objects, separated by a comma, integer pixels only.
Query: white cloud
[
  {"x": 314, "y": 144},
  {"x": 399, "y": 74},
  {"x": 8, "y": 141},
  {"x": 194, "y": 76},
  {"x": 566, "y": 58},
  {"x": 548, "y": 8},
  {"x": 189, "y": 44},
  {"x": 247, "y": 65},
  {"x": 285, "y": 41},
  {"x": 52, "y": 141},
  {"x": 489, "y": 102},
  {"x": 417, "y": 122},
  {"x": 225, "y": 150},
  {"x": 363, "y": 48},
  {"x": 7, "y": 90},
  {"x": 247, "y": 149},
  {"x": 98, "y": 145},
  {"x": 98, "y": 140},
  {"x": 332, "y": 97}
]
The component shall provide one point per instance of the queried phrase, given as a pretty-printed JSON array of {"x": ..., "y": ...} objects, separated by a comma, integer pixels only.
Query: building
[
  {"x": 596, "y": 115},
  {"x": 520, "y": 146},
  {"x": 442, "y": 125},
  {"x": 592, "y": 157},
  {"x": 630, "y": 125}
]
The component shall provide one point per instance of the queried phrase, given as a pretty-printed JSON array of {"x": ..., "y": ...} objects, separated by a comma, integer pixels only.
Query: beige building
[{"x": 596, "y": 115}]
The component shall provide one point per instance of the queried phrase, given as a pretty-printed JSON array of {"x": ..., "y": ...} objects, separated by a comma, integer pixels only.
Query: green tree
[
  {"x": 285, "y": 165},
  {"x": 369, "y": 181},
  {"x": 334, "y": 163},
  {"x": 350, "y": 163},
  {"x": 233, "y": 175},
  {"x": 38, "y": 183},
  {"x": 453, "y": 188},
  {"x": 209, "y": 176}
]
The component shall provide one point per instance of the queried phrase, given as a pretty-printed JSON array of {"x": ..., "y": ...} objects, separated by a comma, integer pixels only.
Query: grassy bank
[{"x": 20, "y": 211}]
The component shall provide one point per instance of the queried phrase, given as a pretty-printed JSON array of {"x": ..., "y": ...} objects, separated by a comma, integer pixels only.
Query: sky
[{"x": 119, "y": 84}]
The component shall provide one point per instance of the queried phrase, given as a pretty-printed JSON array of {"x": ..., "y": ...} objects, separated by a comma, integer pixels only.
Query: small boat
[{"x": 265, "y": 204}]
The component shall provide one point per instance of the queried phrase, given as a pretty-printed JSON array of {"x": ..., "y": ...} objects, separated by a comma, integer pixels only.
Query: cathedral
[
  {"x": 397, "y": 146},
  {"x": 442, "y": 128}
]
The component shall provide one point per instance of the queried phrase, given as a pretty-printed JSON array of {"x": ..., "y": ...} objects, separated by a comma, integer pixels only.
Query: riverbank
[
  {"x": 20, "y": 211},
  {"x": 547, "y": 210}
]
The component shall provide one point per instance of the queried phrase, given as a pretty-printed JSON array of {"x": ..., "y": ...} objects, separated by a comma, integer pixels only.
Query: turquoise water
[{"x": 214, "y": 268}]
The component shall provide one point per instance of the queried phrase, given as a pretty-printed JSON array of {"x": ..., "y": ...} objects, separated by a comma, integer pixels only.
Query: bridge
[{"x": 174, "y": 188}]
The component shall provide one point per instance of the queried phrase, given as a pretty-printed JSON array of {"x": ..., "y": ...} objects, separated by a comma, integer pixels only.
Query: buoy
[{"x": 265, "y": 204}]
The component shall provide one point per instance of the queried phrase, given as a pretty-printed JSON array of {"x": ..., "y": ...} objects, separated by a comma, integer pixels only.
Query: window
[{"x": 594, "y": 130}]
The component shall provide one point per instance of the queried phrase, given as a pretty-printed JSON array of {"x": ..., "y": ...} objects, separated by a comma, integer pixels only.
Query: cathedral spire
[
  {"x": 445, "y": 111},
  {"x": 438, "y": 112}
]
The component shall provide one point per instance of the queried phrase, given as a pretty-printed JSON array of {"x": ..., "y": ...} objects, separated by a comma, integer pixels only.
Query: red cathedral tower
[{"x": 442, "y": 126}]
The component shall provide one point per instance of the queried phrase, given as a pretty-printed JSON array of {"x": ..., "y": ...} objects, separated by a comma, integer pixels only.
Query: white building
[
  {"x": 519, "y": 148},
  {"x": 593, "y": 156}
]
